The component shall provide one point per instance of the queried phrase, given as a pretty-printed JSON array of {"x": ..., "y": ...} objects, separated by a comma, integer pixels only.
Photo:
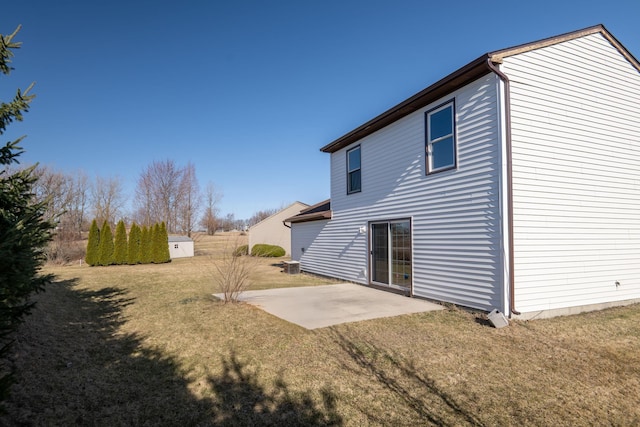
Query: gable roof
[
  {"x": 299, "y": 206},
  {"x": 316, "y": 212},
  {"x": 463, "y": 76},
  {"x": 176, "y": 239}
]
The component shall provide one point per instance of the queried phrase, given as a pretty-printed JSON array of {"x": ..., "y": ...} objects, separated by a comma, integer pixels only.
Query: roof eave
[
  {"x": 316, "y": 216},
  {"x": 498, "y": 55},
  {"x": 470, "y": 72},
  {"x": 453, "y": 81}
]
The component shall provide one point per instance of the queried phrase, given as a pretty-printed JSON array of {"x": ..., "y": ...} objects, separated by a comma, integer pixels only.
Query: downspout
[{"x": 507, "y": 108}]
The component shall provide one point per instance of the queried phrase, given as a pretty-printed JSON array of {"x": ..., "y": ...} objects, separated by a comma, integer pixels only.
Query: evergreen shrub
[
  {"x": 145, "y": 246},
  {"x": 133, "y": 250},
  {"x": 241, "y": 250},
  {"x": 270, "y": 251},
  {"x": 106, "y": 248},
  {"x": 121, "y": 250},
  {"x": 163, "y": 240},
  {"x": 93, "y": 245}
]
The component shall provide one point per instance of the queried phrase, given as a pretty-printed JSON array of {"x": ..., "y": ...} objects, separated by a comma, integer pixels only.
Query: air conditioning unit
[{"x": 292, "y": 267}]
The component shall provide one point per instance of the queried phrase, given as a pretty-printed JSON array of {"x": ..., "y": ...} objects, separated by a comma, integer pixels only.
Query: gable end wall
[{"x": 575, "y": 114}]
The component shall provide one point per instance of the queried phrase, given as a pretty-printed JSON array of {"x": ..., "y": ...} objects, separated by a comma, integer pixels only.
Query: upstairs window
[
  {"x": 441, "y": 138},
  {"x": 354, "y": 177}
]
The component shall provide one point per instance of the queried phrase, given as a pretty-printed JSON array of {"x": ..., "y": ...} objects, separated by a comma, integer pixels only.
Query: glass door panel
[
  {"x": 400, "y": 253},
  {"x": 391, "y": 253},
  {"x": 380, "y": 253}
]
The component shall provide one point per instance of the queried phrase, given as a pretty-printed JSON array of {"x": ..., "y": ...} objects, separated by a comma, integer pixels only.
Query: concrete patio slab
[{"x": 321, "y": 306}]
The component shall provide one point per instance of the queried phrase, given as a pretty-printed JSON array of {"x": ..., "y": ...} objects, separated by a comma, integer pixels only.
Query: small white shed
[{"x": 180, "y": 247}]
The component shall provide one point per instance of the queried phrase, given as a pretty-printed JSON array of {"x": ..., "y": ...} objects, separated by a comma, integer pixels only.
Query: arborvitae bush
[
  {"x": 133, "y": 254},
  {"x": 93, "y": 245},
  {"x": 106, "y": 248},
  {"x": 264, "y": 250},
  {"x": 120, "y": 250},
  {"x": 156, "y": 255},
  {"x": 145, "y": 246},
  {"x": 165, "y": 256}
]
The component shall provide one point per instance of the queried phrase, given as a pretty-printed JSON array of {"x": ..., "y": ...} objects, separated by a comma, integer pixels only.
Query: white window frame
[
  {"x": 429, "y": 142},
  {"x": 350, "y": 171}
]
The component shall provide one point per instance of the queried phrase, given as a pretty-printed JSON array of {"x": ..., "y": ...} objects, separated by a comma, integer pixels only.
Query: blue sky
[{"x": 249, "y": 91}]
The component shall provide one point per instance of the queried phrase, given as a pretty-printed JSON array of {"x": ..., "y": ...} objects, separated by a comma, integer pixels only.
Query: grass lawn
[{"x": 149, "y": 345}]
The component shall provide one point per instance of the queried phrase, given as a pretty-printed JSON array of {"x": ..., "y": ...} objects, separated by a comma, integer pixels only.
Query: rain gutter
[{"x": 507, "y": 109}]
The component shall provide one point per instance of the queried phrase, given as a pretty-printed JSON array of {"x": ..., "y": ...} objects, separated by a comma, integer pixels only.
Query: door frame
[{"x": 370, "y": 257}]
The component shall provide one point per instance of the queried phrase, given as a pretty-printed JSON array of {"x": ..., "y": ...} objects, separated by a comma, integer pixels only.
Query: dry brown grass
[{"x": 149, "y": 345}]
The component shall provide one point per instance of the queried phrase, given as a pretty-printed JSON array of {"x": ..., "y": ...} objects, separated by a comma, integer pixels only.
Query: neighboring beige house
[
  {"x": 273, "y": 230},
  {"x": 180, "y": 247}
]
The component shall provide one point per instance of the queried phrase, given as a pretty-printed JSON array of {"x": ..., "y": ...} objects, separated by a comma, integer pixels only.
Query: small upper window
[
  {"x": 441, "y": 138},
  {"x": 354, "y": 178}
]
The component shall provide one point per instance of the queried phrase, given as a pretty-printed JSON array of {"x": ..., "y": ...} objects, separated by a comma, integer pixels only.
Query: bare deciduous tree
[
  {"x": 233, "y": 272},
  {"x": 78, "y": 203},
  {"x": 65, "y": 199},
  {"x": 66, "y": 196},
  {"x": 188, "y": 199},
  {"x": 210, "y": 218},
  {"x": 228, "y": 222},
  {"x": 107, "y": 199},
  {"x": 50, "y": 188},
  {"x": 260, "y": 215},
  {"x": 157, "y": 194}
]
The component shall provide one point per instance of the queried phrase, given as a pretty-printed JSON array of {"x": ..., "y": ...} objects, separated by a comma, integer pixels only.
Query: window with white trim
[
  {"x": 441, "y": 138},
  {"x": 354, "y": 176}
]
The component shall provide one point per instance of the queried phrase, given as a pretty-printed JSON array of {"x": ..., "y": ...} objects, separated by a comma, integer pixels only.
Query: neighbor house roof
[
  {"x": 461, "y": 77},
  {"x": 316, "y": 212},
  {"x": 176, "y": 239},
  {"x": 279, "y": 211}
]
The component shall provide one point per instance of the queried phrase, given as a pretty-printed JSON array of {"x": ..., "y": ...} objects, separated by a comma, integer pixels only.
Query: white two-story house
[{"x": 512, "y": 183}]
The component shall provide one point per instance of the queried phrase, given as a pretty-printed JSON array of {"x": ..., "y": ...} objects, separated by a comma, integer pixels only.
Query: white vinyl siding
[
  {"x": 303, "y": 236},
  {"x": 455, "y": 214},
  {"x": 575, "y": 111},
  {"x": 333, "y": 248}
]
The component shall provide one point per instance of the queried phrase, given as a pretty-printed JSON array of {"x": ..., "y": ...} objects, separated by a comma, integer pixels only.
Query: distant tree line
[
  {"x": 168, "y": 193},
  {"x": 261, "y": 215},
  {"x": 165, "y": 192},
  {"x": 144, "y": 245}
]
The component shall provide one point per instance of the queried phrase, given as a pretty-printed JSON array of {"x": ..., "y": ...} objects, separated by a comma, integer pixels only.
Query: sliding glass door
[
  {"x": 390, "y": 262},
  {"x": 380, "y": 253}
]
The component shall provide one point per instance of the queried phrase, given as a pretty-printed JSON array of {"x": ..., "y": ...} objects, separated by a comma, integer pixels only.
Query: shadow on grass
[
  {"x": 243, "y": 401},
  {"x": 419, "y": 393},
  {"x": 75, "y": 366},
  {"x": 484, "y": 322}
]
